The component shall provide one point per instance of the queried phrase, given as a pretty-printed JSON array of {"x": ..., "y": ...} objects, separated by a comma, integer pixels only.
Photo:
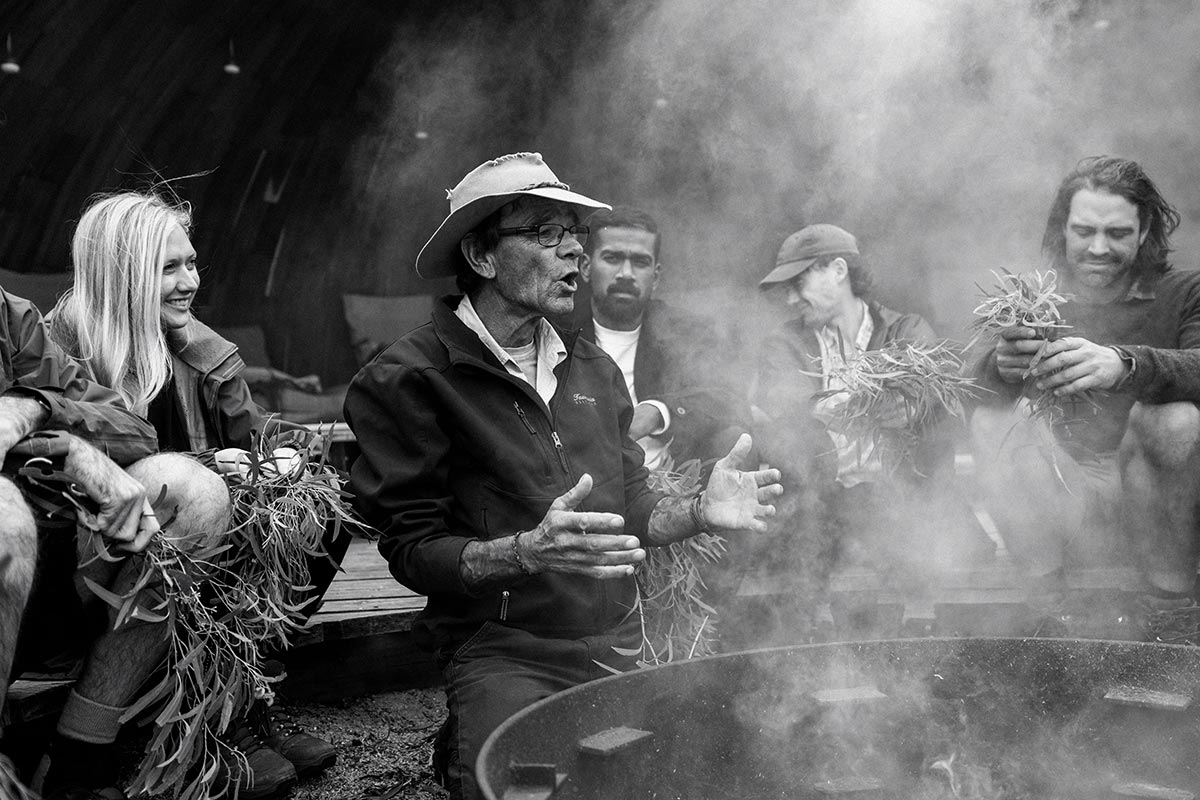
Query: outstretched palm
[{"x": 736, "y": 499}]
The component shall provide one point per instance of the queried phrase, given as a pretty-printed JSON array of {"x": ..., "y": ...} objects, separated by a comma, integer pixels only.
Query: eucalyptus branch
[
  {"x": 892, "y": 397},
  {"x": 677, "y": 623},
  {"x": 221, "y": 603}
]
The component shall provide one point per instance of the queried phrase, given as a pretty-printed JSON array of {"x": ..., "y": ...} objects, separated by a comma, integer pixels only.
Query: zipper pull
[
  {"x": 504, "y": 605},
  {"x": 524, "y": 419},
  {"x": 562, "y": 453}
]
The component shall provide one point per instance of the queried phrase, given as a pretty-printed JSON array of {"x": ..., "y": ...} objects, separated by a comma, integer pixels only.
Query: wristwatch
[{"x": 1130, "y": 367}]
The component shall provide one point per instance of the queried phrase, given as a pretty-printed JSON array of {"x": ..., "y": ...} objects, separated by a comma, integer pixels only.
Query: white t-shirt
[{"x": 621, "y": 347}]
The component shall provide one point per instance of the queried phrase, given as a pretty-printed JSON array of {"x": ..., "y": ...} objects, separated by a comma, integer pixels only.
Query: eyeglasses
[{"x": 549, "y": 234}]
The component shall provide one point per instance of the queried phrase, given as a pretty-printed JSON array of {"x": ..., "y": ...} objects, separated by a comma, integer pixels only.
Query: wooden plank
[
  {"x": 367, "y": 589},
  {"x": 372, "y": 604}
]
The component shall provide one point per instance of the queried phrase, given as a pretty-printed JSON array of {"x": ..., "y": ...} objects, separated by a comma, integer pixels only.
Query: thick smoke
[{"x": 934, "y": 130}]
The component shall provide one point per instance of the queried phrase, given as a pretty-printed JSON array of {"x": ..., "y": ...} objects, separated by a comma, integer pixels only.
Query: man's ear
[
  {"x": 585, "y": 268},
  {"x": 657, "y": 275},
  {"x": 840, "y": 268},
  {"x": 484, "y": 264}
]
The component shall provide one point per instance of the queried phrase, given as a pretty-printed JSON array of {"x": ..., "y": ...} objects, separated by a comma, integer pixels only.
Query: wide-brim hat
[
  {"x": 484, "y": 190},
  {"x": 803, "y": 249}
]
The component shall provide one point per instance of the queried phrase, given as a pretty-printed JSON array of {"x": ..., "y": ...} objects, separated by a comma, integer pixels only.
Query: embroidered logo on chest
[{"x": 583, "y": 400}]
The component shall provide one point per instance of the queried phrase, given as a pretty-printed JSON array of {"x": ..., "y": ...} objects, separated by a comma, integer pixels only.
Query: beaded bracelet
[{"x": 517, "y": 555}]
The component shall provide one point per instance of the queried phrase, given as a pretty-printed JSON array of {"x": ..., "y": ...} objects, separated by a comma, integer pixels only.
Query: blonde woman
[{"x": 128, "y": 318}]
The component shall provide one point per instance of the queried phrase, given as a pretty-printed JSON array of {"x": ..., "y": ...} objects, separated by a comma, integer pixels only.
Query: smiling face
[
  {"x": 623, "y": 273},
  {"x": 179, "y": 280},
  {"x": 1101, "y": 240}
]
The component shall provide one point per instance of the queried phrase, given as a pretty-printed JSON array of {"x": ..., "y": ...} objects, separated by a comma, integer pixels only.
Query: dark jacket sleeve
[
  {"x": 239, "y": 418},
  {"x": 1165, "y": 375},
  {"x": 400, "y": 478},
  {"x": 35, "y": 365}
]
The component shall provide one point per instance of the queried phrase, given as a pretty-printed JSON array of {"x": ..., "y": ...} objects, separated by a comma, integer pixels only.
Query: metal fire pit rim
[{"x": 700, "y": 663}]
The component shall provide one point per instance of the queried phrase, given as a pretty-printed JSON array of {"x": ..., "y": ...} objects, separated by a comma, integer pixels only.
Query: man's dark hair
[
  {"x": 621, "y": 217},
  {"x": 856, "y": 271},
  {"x": 1127, "y": 179}
]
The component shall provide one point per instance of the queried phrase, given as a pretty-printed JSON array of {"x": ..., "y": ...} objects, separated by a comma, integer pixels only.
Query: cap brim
[
  {"x": 786, "y": 272},
  {"x": 436, "y": 258}
]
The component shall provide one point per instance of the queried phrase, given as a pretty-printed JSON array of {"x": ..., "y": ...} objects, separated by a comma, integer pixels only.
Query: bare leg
[
  {"x": 121, "y": 660},
  {"x": 1160, "y": 472},
  {"x": 1033, "y": 489},
  {"x": 18, "y": 556}
]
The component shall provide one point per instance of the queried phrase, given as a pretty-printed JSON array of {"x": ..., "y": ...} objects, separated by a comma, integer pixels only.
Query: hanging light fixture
[
  {"x": 232, "y": 68},
  {"x": 10, "y": 65}
]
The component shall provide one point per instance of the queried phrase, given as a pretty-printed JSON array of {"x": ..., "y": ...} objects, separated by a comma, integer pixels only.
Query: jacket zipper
[
  {"x": 524, "y": 419},
  {"x": 562, "y": 453},
  {"x": 504, "y": 605}
]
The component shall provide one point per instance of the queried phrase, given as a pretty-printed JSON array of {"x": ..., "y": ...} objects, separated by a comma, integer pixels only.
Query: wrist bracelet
[
  {"x": 517, "y": 555},
  {"x": 694, "y": 513}
]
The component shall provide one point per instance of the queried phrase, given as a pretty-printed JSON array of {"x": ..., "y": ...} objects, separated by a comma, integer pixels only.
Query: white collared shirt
[{"x": 550, "y": 351}]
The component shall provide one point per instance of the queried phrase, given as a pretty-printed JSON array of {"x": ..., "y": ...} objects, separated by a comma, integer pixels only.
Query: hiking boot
[
  {"x": 308, "y": 754},
  {"x": 268, "y": 774}
]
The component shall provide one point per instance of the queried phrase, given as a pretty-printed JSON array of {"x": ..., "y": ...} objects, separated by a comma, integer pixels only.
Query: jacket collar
[
  {"x": 202, "y": 348},
  {"x": 461, "y": 342}
]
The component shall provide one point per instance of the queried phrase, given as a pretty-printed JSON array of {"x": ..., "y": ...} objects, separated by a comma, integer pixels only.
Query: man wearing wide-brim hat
[{"x": 497, "y": 467}]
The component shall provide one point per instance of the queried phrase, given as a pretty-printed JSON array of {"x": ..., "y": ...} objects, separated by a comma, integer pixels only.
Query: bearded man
[{"x": 1115, "y": 472}]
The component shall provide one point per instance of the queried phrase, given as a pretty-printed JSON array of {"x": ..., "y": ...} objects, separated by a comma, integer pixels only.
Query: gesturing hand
[
  {"x": 1072, "y": 365},
  {"x": 580, "y": 542},
  {"x": 125, "y": 515},
  {"x": 735, "y": 499}
]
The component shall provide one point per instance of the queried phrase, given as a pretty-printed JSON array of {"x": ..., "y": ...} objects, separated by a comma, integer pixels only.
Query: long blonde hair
[{"x": 111, "y": 318}]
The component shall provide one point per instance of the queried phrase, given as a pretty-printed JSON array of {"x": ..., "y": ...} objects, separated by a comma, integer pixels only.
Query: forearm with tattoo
[
  {"x": 670, "y": 521},
  {"x": 489, "y": 563}
]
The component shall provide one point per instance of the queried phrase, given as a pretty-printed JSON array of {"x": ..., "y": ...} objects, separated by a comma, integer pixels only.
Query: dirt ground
[{"x": 384, "y": 742}]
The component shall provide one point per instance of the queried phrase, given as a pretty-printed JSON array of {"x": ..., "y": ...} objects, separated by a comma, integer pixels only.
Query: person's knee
[
  {"x": 20, "y": 530},
  {"x": 1167, "y": 435},
  {"x": 187, "y": 496}
]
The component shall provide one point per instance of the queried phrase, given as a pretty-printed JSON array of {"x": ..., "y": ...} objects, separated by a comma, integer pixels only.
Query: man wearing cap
[
  {"x": 820, "y": 275},
  {"x": 497, "y": 466},
  {"x": 672, "y": 363}
]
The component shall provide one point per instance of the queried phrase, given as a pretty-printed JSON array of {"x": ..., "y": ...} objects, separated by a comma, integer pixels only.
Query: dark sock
[{"x": 76, "y": 763}]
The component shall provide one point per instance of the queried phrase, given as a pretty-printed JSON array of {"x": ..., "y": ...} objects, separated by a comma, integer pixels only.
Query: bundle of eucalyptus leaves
[
  {"x": 677, "y": 623},
  {"x": 222, "y": 603},
  {"x": 891, "y": 397},
  {"x": 1029, "y": 300}
]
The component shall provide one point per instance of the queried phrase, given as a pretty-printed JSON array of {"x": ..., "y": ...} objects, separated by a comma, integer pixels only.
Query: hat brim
[
  {"x": 436, "y": 259},
  {"x": 786, "y": 272}
]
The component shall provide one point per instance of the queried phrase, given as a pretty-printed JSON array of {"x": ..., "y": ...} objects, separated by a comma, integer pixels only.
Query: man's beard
[{"x": 622, "y": 302}]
